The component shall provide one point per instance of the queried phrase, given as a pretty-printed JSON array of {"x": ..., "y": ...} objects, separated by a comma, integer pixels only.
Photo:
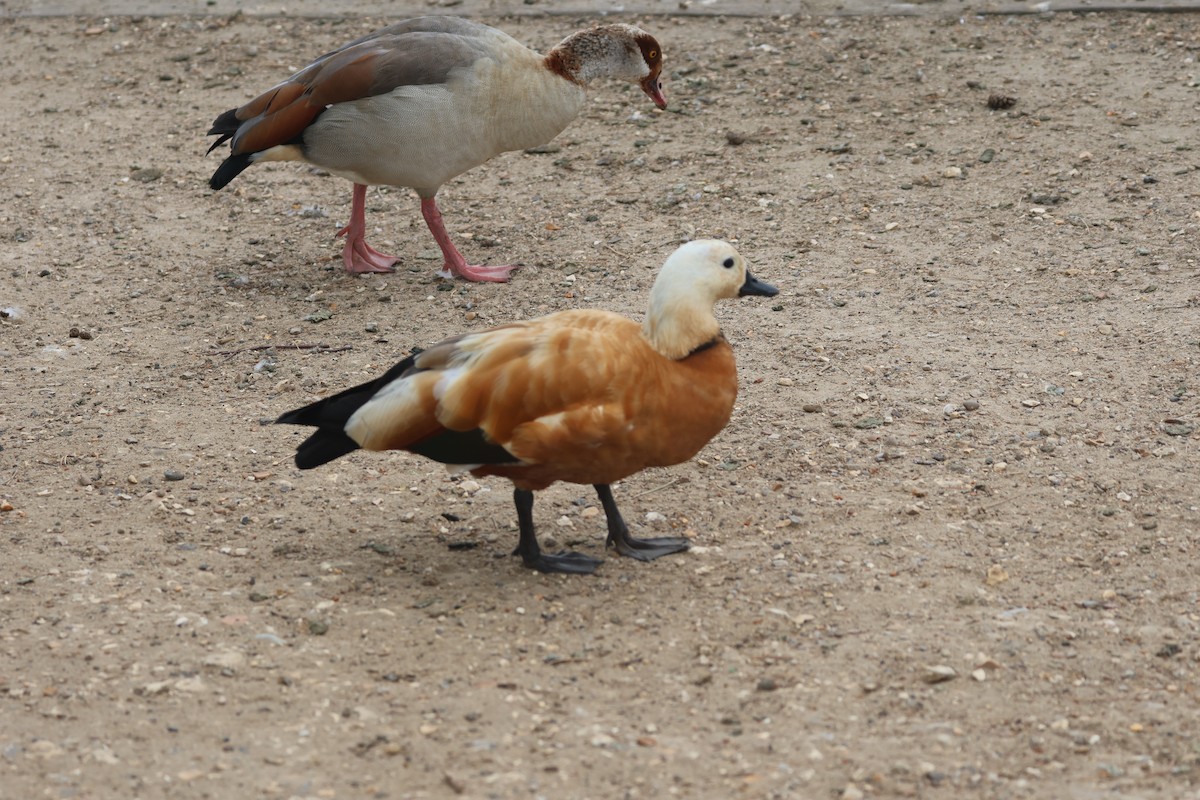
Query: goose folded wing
[{"x": 375, "y": 66}]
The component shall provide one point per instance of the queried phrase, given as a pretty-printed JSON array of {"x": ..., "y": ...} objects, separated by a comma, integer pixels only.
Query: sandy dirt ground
[{"x": 947, "y": 546}]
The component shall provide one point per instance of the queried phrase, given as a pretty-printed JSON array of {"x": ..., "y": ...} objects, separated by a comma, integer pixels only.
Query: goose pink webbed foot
[
  {"x": 357, "y": 255},
  {"x": 456, "y": 266}
]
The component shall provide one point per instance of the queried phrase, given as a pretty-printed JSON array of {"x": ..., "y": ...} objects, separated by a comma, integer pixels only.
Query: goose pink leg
[
  {"x": 357, "y": 255},
  {"x": 456, "y": 265}
]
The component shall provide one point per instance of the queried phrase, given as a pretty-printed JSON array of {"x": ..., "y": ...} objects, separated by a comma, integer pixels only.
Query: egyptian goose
[
  {"x": 419, "y": 102},
  {"x": 578, "y": 396}
]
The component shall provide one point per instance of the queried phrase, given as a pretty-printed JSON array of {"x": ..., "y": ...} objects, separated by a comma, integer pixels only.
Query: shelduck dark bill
[
  {"x": 422, "y": 101},
  {"x": 586, "y": 396}
]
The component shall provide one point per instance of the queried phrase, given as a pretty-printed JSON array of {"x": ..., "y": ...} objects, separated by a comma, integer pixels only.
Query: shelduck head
[{"x": 691, "y": 281}]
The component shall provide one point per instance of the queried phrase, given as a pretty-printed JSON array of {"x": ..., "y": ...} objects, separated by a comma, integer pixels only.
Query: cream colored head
[{"x": 692, "y": 280}]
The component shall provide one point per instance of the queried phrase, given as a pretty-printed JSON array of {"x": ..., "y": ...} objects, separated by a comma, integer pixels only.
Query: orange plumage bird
[{"x": 579, "y": 396}]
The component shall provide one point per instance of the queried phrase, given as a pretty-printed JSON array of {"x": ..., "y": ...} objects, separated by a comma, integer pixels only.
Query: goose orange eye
[{"x": 652, "y": 54}]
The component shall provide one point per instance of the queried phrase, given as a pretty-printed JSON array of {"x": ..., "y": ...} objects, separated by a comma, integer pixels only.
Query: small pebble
[
  {"x": 146, "y": 174},
  {"x": 952, "y": 172},
  {"x": 971, "y": 404},
  {"x": 939, "y": 674},
  {"x": 811, "y": 408},
  {"x": 173, "y": 475},
  {"x": 1177, "y": 427},
  {"x": 766, "y": 685},
  {"x": 852, "y": 792}
]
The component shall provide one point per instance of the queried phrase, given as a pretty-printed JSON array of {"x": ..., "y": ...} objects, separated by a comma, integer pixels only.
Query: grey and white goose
[{"x": 422, "y": 101}]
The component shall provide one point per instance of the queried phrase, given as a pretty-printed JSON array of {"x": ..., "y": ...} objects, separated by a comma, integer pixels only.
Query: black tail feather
[
  {"x": 322, "y": 447},
  {"x": 230, "y": 168},
  {"x": 224, "y": 127},
  {"x": 329, "y": 417},
  {"x": 225, "y": 137},
  {"x": 226, "y": 124}
]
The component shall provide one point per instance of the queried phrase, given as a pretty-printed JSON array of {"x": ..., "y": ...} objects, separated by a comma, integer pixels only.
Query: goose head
[{"x": 621, "y": 51}]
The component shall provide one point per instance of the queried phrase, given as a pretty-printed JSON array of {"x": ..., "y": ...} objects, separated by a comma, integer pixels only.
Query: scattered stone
[
  {"x": 1177, "y": 427},
  {"x": 852, "y": 792},
  {"x": 971, "y": 404},
  {"x": 226, "y": 659},
  {"x": 986, "y": 156},
  {"x": 146, "y": 174},
  {"x": 996, "y": 575},
  {"x": 811, "y": 408},
  {"x": 766, "y": 685},
  {"x": 173, "y": 475},
  {"x": 952, "y": 172},
  {"x": 1169, "y": 650},
  {"x": 318, "y": 627},
  {"x": 999, "y": 102},
  {"x": 192, "y": 684},
  {"x": 939, "y": 673}
]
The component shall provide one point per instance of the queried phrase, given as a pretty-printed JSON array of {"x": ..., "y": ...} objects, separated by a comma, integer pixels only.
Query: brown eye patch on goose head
[{"x": 652, "y": 54}]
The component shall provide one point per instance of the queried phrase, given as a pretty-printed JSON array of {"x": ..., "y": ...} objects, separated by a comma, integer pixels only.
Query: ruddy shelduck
[{"x": 581, "y": 396}]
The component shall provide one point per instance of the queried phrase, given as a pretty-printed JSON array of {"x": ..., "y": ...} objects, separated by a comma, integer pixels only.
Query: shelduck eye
[
  {"x": 728, "y": 263},
  {"x": 653, "y": 54}
]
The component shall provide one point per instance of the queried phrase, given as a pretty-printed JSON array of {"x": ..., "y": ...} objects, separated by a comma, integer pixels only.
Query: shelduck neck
[{"x": 677, "y": 325}]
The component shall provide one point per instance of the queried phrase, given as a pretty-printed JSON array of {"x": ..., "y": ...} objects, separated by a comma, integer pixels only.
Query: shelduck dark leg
[
  {"x": 532, "y": 555},
  {"x": 618, "y": 533},
  {"x": 456, "y": 266},
  {"x": 357, "y": 255}
]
